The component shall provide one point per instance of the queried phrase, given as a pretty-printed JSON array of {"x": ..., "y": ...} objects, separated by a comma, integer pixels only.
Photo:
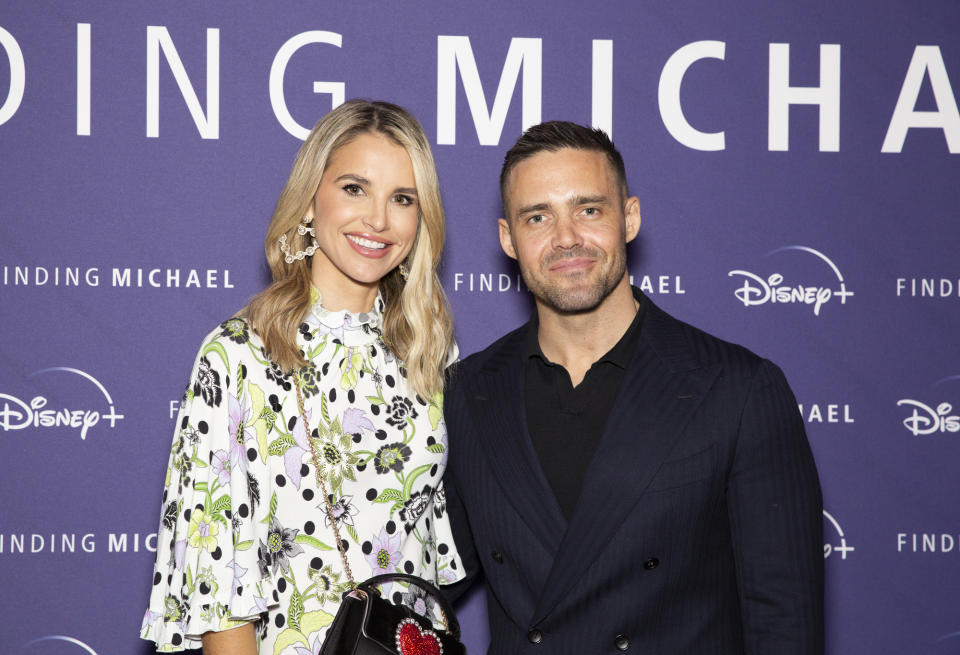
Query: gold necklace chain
[
  {"x": 326, "y": 497},
  {"x": 323, "y": 487}
]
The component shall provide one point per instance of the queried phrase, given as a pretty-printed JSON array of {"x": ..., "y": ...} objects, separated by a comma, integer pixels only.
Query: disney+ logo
[
  {"x": 757, "y": 290},
  {"x": 837, "y": 544},
  {"x": 17, "y": 414},
  {"x": 70, "y": 640},
  {"x": 925, "y": 419}
]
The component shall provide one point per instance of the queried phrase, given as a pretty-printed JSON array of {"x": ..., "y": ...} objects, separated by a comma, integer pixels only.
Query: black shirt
[{"x": 566, "y": 422}]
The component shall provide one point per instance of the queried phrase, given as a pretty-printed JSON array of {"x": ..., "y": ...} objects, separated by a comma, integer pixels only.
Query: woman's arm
[{"x": 236, "y": 641}]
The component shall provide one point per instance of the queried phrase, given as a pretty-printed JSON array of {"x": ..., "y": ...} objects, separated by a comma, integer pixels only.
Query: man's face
[{"x": 568, "y": 227}]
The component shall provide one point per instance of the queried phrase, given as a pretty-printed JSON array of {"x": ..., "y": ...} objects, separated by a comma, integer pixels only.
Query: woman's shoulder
[
  {"x": 231, "y": 362},
  {"x": 235, "y": 333},
  {"x": 232, "y": 342}
]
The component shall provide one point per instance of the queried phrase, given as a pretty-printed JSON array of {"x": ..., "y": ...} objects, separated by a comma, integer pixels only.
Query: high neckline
[{"x": 351, "y": 328}]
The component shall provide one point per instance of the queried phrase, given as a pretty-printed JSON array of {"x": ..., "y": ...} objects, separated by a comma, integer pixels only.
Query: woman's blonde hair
[{"x": 417, "y": 325}]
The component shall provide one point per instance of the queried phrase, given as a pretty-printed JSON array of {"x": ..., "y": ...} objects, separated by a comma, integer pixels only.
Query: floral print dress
[{"x": 244, "y": 534}]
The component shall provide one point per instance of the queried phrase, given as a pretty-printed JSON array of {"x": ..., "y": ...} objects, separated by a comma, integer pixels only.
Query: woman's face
[{"x": 365, "y": 216}]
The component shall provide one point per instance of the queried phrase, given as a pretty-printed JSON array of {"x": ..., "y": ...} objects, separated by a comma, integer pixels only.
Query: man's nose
[{"x": 566, "y": 234}]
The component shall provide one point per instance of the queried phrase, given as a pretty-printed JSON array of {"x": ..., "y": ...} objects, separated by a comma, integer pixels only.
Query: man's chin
[{"x": 571, "y": 301}]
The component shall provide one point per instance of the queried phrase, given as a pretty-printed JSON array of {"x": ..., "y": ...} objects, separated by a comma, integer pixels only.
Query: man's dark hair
[{"x": 556, "y": 135}]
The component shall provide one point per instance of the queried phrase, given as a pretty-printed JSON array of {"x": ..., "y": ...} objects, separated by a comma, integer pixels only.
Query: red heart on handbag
[{"x": 412, "y": 640}]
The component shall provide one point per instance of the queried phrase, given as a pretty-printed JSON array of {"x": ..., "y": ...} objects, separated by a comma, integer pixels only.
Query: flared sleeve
[
  {"x": 449, "y": 564},
  {"x": 209, "y": 574},
  {"x": 450, "y": 568}
]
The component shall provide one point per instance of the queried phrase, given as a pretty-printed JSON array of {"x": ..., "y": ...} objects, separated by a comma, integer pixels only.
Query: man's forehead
[
  {"x": 562, "y": 157},
  {"x": 562, "y": 171}
]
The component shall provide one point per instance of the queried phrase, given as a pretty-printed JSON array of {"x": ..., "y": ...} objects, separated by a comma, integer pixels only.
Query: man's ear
[
  {"x": 631, "y": 213},
  {"x": 506, "y": 241}
]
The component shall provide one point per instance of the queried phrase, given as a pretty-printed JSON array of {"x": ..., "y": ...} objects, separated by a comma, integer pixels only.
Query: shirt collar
[
  {"x": 351, "y": 328},
  {"x": 621, "y": 352}
]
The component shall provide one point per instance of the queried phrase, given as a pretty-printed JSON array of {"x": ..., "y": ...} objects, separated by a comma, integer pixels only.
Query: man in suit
[{"x": 626, "y": 481}]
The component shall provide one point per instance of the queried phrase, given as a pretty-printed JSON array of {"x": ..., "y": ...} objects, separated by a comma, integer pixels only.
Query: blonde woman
[{"x": 356, "y": 320}]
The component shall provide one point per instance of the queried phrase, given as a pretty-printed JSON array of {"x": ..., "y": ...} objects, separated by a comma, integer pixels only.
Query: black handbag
[{"x": 367, "y": 623}]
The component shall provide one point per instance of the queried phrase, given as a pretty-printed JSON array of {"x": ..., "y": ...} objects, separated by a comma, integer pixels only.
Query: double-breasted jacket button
[
  {"x": 497, "y": 556},
  {"x": 622, "y": 642},
  {"x": 651, "y": 564},
  {"x": 534, "y": 636}
]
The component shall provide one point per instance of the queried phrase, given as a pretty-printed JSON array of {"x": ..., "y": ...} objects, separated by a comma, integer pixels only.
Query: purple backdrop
[{"x": 799, "y": 174}]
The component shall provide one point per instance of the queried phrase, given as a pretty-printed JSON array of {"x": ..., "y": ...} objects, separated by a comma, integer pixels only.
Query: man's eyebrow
[
  {"x": 572, "y": 202},
  {"x": 538, "y": 207},
  {"x": 588, "y": 200}
]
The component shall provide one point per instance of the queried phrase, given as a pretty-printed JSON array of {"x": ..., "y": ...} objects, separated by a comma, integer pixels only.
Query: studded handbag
[{"x": 367, "y": 623}]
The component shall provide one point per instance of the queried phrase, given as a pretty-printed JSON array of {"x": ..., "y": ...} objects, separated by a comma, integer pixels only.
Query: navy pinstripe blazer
[{"x": 698, "y": 530}]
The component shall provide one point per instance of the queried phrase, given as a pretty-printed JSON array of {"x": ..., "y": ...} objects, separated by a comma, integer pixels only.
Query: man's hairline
[{"x": 622, "y": 183}]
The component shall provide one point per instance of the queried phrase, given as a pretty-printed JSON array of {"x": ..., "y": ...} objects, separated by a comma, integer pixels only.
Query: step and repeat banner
[{"x": 798, "y": 166}]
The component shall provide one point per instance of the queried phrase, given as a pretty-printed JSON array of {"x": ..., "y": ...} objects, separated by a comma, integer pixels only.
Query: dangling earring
[
  {"x": 404, "y": 271},
  {"x": 302, "y": 229}
]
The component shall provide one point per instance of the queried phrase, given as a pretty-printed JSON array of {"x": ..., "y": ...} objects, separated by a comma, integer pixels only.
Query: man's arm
[
  {"x": 462, "y": 536},
  {"x": 776, "y": 520}
]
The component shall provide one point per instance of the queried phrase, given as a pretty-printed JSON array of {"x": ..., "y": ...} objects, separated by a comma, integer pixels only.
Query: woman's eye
[
  {"x": 404, "y": 200},
  {"x": 353, "y": 189}
]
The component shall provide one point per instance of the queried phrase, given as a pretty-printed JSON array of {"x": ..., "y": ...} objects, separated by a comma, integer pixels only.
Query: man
[{"x": 626, "y": 481}]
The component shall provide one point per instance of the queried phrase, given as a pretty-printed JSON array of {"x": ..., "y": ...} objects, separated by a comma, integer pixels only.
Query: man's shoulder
[
  {"x": 503, "y": 349},
  {"x": 681, "y": 343}
]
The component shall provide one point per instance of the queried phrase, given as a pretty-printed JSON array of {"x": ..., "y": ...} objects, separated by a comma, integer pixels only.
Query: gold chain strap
[
  {"x": 323, "y": 487},
  {"x": 326, "y": 496}
]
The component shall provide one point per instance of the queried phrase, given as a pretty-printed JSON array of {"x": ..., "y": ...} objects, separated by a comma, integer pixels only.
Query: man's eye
[
  {"x": 537, "y": 218},
  {"x": 591, "y": 211}
]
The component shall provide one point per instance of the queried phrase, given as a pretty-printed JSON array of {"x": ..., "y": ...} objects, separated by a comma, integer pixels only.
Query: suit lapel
[
  {"x": 660, "y": 391},
  {"x": 496, "y": 398}
]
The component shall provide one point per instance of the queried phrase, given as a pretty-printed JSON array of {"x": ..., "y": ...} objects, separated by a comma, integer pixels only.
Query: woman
[{"x": 247, "y": 560}]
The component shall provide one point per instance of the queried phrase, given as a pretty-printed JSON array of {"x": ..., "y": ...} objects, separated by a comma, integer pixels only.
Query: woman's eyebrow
[{"x": 355, "y": 178}]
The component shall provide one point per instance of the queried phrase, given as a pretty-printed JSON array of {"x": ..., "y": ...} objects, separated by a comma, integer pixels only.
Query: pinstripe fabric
[{"x": 699, "y": 525}]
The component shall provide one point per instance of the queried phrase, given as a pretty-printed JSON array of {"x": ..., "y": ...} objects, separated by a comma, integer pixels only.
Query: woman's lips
[{"x": 369, "y": 247}]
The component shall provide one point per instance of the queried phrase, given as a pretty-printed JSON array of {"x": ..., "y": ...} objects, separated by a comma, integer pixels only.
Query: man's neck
[{"x": 576, "y": 341}]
